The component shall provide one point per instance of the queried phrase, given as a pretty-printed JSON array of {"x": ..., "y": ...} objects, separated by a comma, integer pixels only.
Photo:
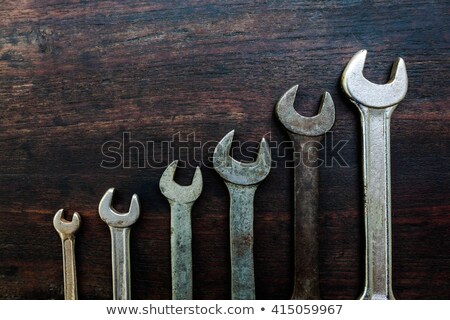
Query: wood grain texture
[{"x": 76, "y": 74}]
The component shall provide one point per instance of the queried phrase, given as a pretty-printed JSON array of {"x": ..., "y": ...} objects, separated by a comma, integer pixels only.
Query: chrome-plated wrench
[
  {"x": 306, "y": 133},
  {"x": 119, "y": 225},
  {"x": 66, "y": 230},
  {"x": 242, "y": 180},
  {"x": 376, "y": 104},
  {"x": 181, "y": 200}
]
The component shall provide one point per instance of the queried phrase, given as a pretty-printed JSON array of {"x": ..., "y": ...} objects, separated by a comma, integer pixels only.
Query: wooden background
[{"x": 75, "y": 74}]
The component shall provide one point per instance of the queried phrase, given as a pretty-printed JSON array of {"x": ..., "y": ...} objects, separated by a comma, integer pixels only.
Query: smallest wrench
[
  {"x": 66, "y": 230},
  {"x": 119, "y": 225}
]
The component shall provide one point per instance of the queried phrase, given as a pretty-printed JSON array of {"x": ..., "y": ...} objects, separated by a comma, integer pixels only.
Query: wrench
[
  {"x": 119, "y": 225},
  {"x": 306, "y": 132},
  {"x": 181, "y": 199},
  {"x": 66, "y": 230},
  {"x": 242, "y": 180},
  {"x": 376, "y": 104}
]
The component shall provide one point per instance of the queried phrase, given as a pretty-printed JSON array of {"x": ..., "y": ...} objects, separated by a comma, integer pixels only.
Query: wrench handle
[
  {"x": 241, "y": 241},
  {"x": 69, "y": 266},
  {"x": 121, "y": 271},
  {"x": 306, "y": 219},
  {"x": 377, "y": 204},
  {"x": 181, "y": 250}
]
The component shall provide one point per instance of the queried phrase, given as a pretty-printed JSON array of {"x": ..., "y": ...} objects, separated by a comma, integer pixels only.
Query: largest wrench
[{"x": 376, "y": 104}]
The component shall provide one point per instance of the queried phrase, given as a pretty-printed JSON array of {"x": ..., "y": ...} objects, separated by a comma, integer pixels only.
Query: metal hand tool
[
  {"x": 66, "y": 230},
  {"x": 181, "y": 199},
  {"x": 119, "y": 225},
  {"x": 376, "y": 104},
  {"x": 242, "y": 180},
  {"x": 306, "y": 133}
]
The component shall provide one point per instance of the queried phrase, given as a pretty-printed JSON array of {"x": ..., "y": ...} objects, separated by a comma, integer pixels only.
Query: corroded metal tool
[
  {"x": 66, "y": 230},
  {"x": 181, "y": 200},
  {"x": 376, "y": 104},
  {"x": 306, "y": 134},
  {"x": 119, "y": 225},
  {"x": 242, "y": 180}
]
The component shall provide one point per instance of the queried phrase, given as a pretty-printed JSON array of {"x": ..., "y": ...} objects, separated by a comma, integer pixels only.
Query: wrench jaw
[
  {"x": 307, "y": 126},
  {"x": 364, "y": 93},
  {"x": 237, "y": 172},
  {"x": 112, "y": 217},
  {"x": 64, "y": 227},
  {"x": 177, "y": 193}
]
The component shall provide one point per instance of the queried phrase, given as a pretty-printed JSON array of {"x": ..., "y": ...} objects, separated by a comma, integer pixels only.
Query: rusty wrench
[
  {"x": 242, "y": 180},
  {"x": 306, "y": 133},
  {"x": 181, "y": 199},
  {"x": 376, "y": 104},
  {"x": 66, "y": 231},
  {"x": 119, "y": 225}
]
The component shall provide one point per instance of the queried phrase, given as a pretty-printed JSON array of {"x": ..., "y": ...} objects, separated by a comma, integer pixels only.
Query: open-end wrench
[
  {"x": 242, "y": 180},
  {"x": 376, "y": 104},
  {"x": 119, "y": 225},
  {"x": 66, "y": 230},
  {"x": 181, "y": 199},
  {"x": 306, "y": 133}
]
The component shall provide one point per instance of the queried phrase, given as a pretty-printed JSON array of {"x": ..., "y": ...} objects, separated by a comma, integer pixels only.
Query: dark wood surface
[{"x": 76, "y": 74}]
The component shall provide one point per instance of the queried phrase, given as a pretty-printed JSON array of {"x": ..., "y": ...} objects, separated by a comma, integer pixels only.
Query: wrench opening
[
  {"x": 240, "y": 172},
  {"x": 372, "y": 95},
  {"x": 175, "y": 192},
  {"x": 114, "y": 218},
  {"x": 64, "y": 226},
  {"x": 307, "y": 126}
]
